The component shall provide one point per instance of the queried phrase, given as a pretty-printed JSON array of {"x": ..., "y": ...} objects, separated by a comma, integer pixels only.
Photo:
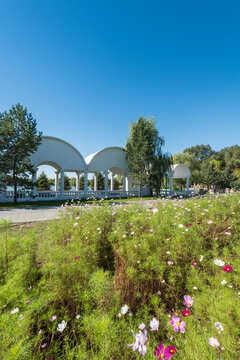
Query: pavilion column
[
  {"x": 95, "y": 177},
  {"x": 106, "y": 183},
  {"x": 85, "y": 183},
  {"x": 171, "y": 183},
  {"x": 34, "y": 180},
  {"x": 187, "y": 184},
  {"x": 56, "y": 180},
  {"x": 112, "y": 181},
  {"x": 62, "y": 183},
  {"x": 124, "y": 184},
  {"x": 77, "y": 180}
]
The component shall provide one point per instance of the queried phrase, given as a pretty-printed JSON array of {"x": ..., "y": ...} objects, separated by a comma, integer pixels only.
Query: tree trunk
[{"x": 140, "y": 189}]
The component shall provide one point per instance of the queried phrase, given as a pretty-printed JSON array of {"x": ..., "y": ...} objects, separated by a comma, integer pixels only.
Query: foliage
[
  {"x": 84, "y": 267},
  {"x": 67, "y": 185},
  {"x": 43, "y": 182},
  {"x": 142, "y": 147},
  {"x": 18, "y": 140}
]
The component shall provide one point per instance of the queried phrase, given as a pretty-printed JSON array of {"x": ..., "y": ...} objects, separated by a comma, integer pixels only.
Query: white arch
[
  {"x": 179, "y": 171},
  {"x": 59, "y": 154},
  {"x": 106, "y": 159}
]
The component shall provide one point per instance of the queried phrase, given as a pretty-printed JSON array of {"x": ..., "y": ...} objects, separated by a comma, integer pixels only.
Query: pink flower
[
  {"x": 194, "y": 263},
  {"x": 162, "y": 353},
  {"x": 189, "y": 225},
  {"x": 169, "y": 352},
  {"x": 186, "y": 313},
  {"x": 178, "y": 324},
  {"x": 53, "y": 318},
  {"x": 227, "y": 268},
  {"x": 188, "y": 301},
  {"x": 169, "y": 262},
  {"x": 77, "y": 257},
  {"x": 28, "y": 301},
  {"x": 117, "y": 251}
]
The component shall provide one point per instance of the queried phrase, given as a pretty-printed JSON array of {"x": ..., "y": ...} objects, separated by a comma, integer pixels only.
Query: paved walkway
[{"x": 22, "y": 215}]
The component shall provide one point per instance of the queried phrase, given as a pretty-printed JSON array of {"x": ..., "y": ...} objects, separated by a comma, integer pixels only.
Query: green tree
[
  {"x": 141, "y": 148},
  {"x": 67, "y": 185},
  {"x": 18, "y": 140},
  {"x": 43, "y": 182}
]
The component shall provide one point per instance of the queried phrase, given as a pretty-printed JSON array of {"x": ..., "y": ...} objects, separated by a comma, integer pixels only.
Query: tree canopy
[
  {"x": 18, "y": 140},
  {"x": 144, "y": 153}
]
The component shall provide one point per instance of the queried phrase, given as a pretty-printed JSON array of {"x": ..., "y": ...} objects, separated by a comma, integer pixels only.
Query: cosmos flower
[
  {"x": 61, "y": 326},
  {"x": 219, "y": 327},
  {"x": 188, "y": 301},
  {"x": 213, "y": 342},
  {"x": 162, "y": 353},
  {"x": 227, "y": 268},
  {"x": 223, "y": 282},
  {"x": 219, "y": 262},
  {"x": 14, "y": 311},
  {"x": 124, "y": 309},
  {"x": 141, "y": 339},
  {"x": 186, "y": 313},
  {"x": 178, "y": 324},
  {"x": 154, "y": 324},
  {"x": 53, "y": 318}
]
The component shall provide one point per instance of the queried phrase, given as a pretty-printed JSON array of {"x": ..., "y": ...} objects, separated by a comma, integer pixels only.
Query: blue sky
[{"x": 86, "y": 69}]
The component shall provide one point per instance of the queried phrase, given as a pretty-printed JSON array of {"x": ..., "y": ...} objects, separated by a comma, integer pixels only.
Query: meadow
[{"x": 153, "y": 280}]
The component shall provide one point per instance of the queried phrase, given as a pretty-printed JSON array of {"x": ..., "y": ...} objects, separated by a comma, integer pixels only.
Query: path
[{"x": 22, "y": 215}]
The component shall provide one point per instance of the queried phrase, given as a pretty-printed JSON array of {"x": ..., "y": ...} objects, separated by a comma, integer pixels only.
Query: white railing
[{"x": 8, "y": 196}]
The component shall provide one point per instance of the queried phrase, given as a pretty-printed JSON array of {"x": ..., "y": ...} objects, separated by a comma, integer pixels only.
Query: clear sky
[{"x": 86, "y": 69}]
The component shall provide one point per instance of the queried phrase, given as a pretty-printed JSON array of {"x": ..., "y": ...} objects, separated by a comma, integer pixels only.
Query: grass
[
  {"x": 33, "y": 204},
  {"x": 86, "y": 266}
]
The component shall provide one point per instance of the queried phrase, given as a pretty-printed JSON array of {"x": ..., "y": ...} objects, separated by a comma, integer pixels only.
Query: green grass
[{"x": 91, "y": 264}]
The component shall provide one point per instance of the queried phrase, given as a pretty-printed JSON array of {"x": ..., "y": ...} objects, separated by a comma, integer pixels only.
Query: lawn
[{"x": 74, "y": 288}]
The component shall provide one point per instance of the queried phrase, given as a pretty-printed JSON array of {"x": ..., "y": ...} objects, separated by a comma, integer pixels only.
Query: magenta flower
[
  {"x": 178, "y": 324},
  {"x": 186, "y": 313},
  {"x": 162, "y": 353},
  {"x": 194, "y": 263},
  {"x": 188, "y": 301},
  {"x": 77, "y": 257},
  {"x": 141, "y": 339},
  {"x": 227, "y": 268},
  {"x": 28, "y": 301}
]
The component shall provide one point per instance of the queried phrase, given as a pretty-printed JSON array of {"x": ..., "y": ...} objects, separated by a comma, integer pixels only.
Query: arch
[
  {"x": 179, "y": 171},
  {"x": 59, "y": 154},
  {"x": 106, "y": 159}
]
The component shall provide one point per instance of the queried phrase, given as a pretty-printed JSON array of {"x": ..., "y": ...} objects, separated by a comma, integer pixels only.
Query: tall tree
[
  {"x": 67, "y": 185},
  {"x": 18, "y": 140},
  {"x": 43, "y": 182},
  {"x": 141, "y": 148},
  {"x": 160, "y": 165}
]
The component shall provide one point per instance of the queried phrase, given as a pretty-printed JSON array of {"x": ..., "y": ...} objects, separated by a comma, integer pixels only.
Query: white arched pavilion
[{"x": 179, "y": 171}]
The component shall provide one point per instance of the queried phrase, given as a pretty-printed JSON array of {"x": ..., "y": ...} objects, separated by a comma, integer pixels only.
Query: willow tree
[{"x": 18, "y": 140}]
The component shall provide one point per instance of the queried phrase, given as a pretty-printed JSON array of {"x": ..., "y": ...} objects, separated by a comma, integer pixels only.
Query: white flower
[
  {"x": 213, "y": 342},
  {"x": 78, "y": 316},
  {"x": 219, "y": 262},
  {"x": 142, "y": 326},
  {"x": 180, "y": 225},
  {"x": 230, "y": 286},
  {"x": 194, "y": 288},
  {"x": 219, "y": 327},
  {"x": 154, "y": 324},
  {"x": 14, "y": 311},
  {"x": 155, "y": 211},
  {"x": 201, "y": 258},
  {"x": 61, "y": 326},
  {"x": 223, "y": 282},
  {"x": 21, "y": 317},
  {"x": 124, "y": 309},
  {"x": 209, "y": 222}
]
